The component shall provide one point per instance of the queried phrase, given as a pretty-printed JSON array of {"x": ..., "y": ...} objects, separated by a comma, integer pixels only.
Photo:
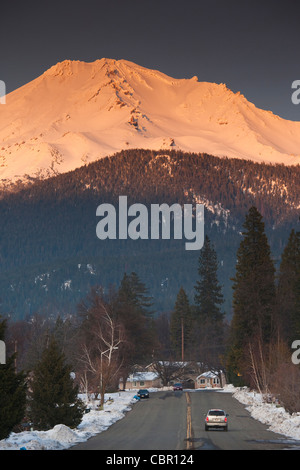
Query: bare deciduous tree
[
  {"x": 169, "y": 371},
  {"x": 99, "y": 356}
]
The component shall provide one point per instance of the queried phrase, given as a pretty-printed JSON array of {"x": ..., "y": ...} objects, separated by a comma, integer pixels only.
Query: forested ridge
[{"x": 49, "y": 252}]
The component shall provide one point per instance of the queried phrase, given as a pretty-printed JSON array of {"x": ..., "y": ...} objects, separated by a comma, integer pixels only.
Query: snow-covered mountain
[{"x": 78, "y": 112}]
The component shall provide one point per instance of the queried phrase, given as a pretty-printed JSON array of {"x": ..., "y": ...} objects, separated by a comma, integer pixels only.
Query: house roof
[
  {"x": 208, "y": 374},
  {"x": 138, "y": 376},
  {"x": 174, "y": 363}
]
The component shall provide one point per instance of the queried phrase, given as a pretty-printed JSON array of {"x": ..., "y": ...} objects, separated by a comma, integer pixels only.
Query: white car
[{"x": 216, "y": 418}]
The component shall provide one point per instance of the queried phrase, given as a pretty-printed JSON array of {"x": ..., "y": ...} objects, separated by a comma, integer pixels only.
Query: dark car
[
  {"x": 143, "y": 393},
  {"x": 177, "y": 387}
]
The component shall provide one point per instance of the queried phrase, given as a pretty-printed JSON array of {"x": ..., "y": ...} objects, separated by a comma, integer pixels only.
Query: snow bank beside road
[
  {"x": 275, "y": 416},
  {"x": 62, "y": 437}
]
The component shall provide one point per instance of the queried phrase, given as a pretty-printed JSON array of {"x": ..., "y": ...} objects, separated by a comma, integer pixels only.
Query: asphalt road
[{"x": 175, "y": 421}]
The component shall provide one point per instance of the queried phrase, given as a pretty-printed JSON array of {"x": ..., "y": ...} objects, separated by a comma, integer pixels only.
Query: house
[
  {"x": 209, "y": 380},
  {"x": 176, "y": 371},
  {"x": 139, "y": 380}
]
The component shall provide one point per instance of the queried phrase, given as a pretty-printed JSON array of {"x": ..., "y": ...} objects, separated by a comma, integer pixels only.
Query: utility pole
[
  {"x": 182, "y": 340},
  {"x": 16, "y": 350}
]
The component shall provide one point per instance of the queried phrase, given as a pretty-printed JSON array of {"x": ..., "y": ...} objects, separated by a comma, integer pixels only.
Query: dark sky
[{"x": 252, "y": 46}]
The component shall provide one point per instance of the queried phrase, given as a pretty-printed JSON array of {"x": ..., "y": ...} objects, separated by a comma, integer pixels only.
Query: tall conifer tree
[
  {"x": 132, "y": 310},
  {"x": 253, "y": 291},
  {"x": 208, "y": 297},
  {"x": 208, "y": 332},
  {"x": 12, "y": 393},
  {"x": 288, "y": 291},
  {"x": 180, "y": 325}
]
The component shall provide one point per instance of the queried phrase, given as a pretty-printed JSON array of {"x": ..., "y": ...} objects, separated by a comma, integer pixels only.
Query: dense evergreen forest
[{"x": 50, "y": 255}]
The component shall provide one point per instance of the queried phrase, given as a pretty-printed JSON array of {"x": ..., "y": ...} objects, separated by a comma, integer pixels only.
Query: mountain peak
[
  {"x": 62, "y": 68},
  {"x": 77, "y": 112},
  {"x": 76, "y": 66}
]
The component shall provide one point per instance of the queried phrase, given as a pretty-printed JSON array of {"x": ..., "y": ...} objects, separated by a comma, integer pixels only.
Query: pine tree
[
  {"x": 132, "y": 309},
  {"x": 133, "y": 303},
  {"x": 141, "y": 294},
  {"x": 54, "y": 398},
  {"x": 288, "y": 290},
  {"x": 208, "y": 297},
  {"x": 180, "y": 324},
  {"x": 208, "y": 331},
  {"x": 12, "y": 393},
  {"x": 253, "y": 292}
]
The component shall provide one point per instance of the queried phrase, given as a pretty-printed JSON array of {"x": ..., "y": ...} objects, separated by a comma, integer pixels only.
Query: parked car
[
  {"x": 216, "y": 419},
  {"x": 143, "y": 393},
  {"x": 177, "y": 387}
]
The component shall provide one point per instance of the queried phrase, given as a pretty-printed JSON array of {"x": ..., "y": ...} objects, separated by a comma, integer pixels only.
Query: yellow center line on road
[{"x": 189, "y": 443}]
